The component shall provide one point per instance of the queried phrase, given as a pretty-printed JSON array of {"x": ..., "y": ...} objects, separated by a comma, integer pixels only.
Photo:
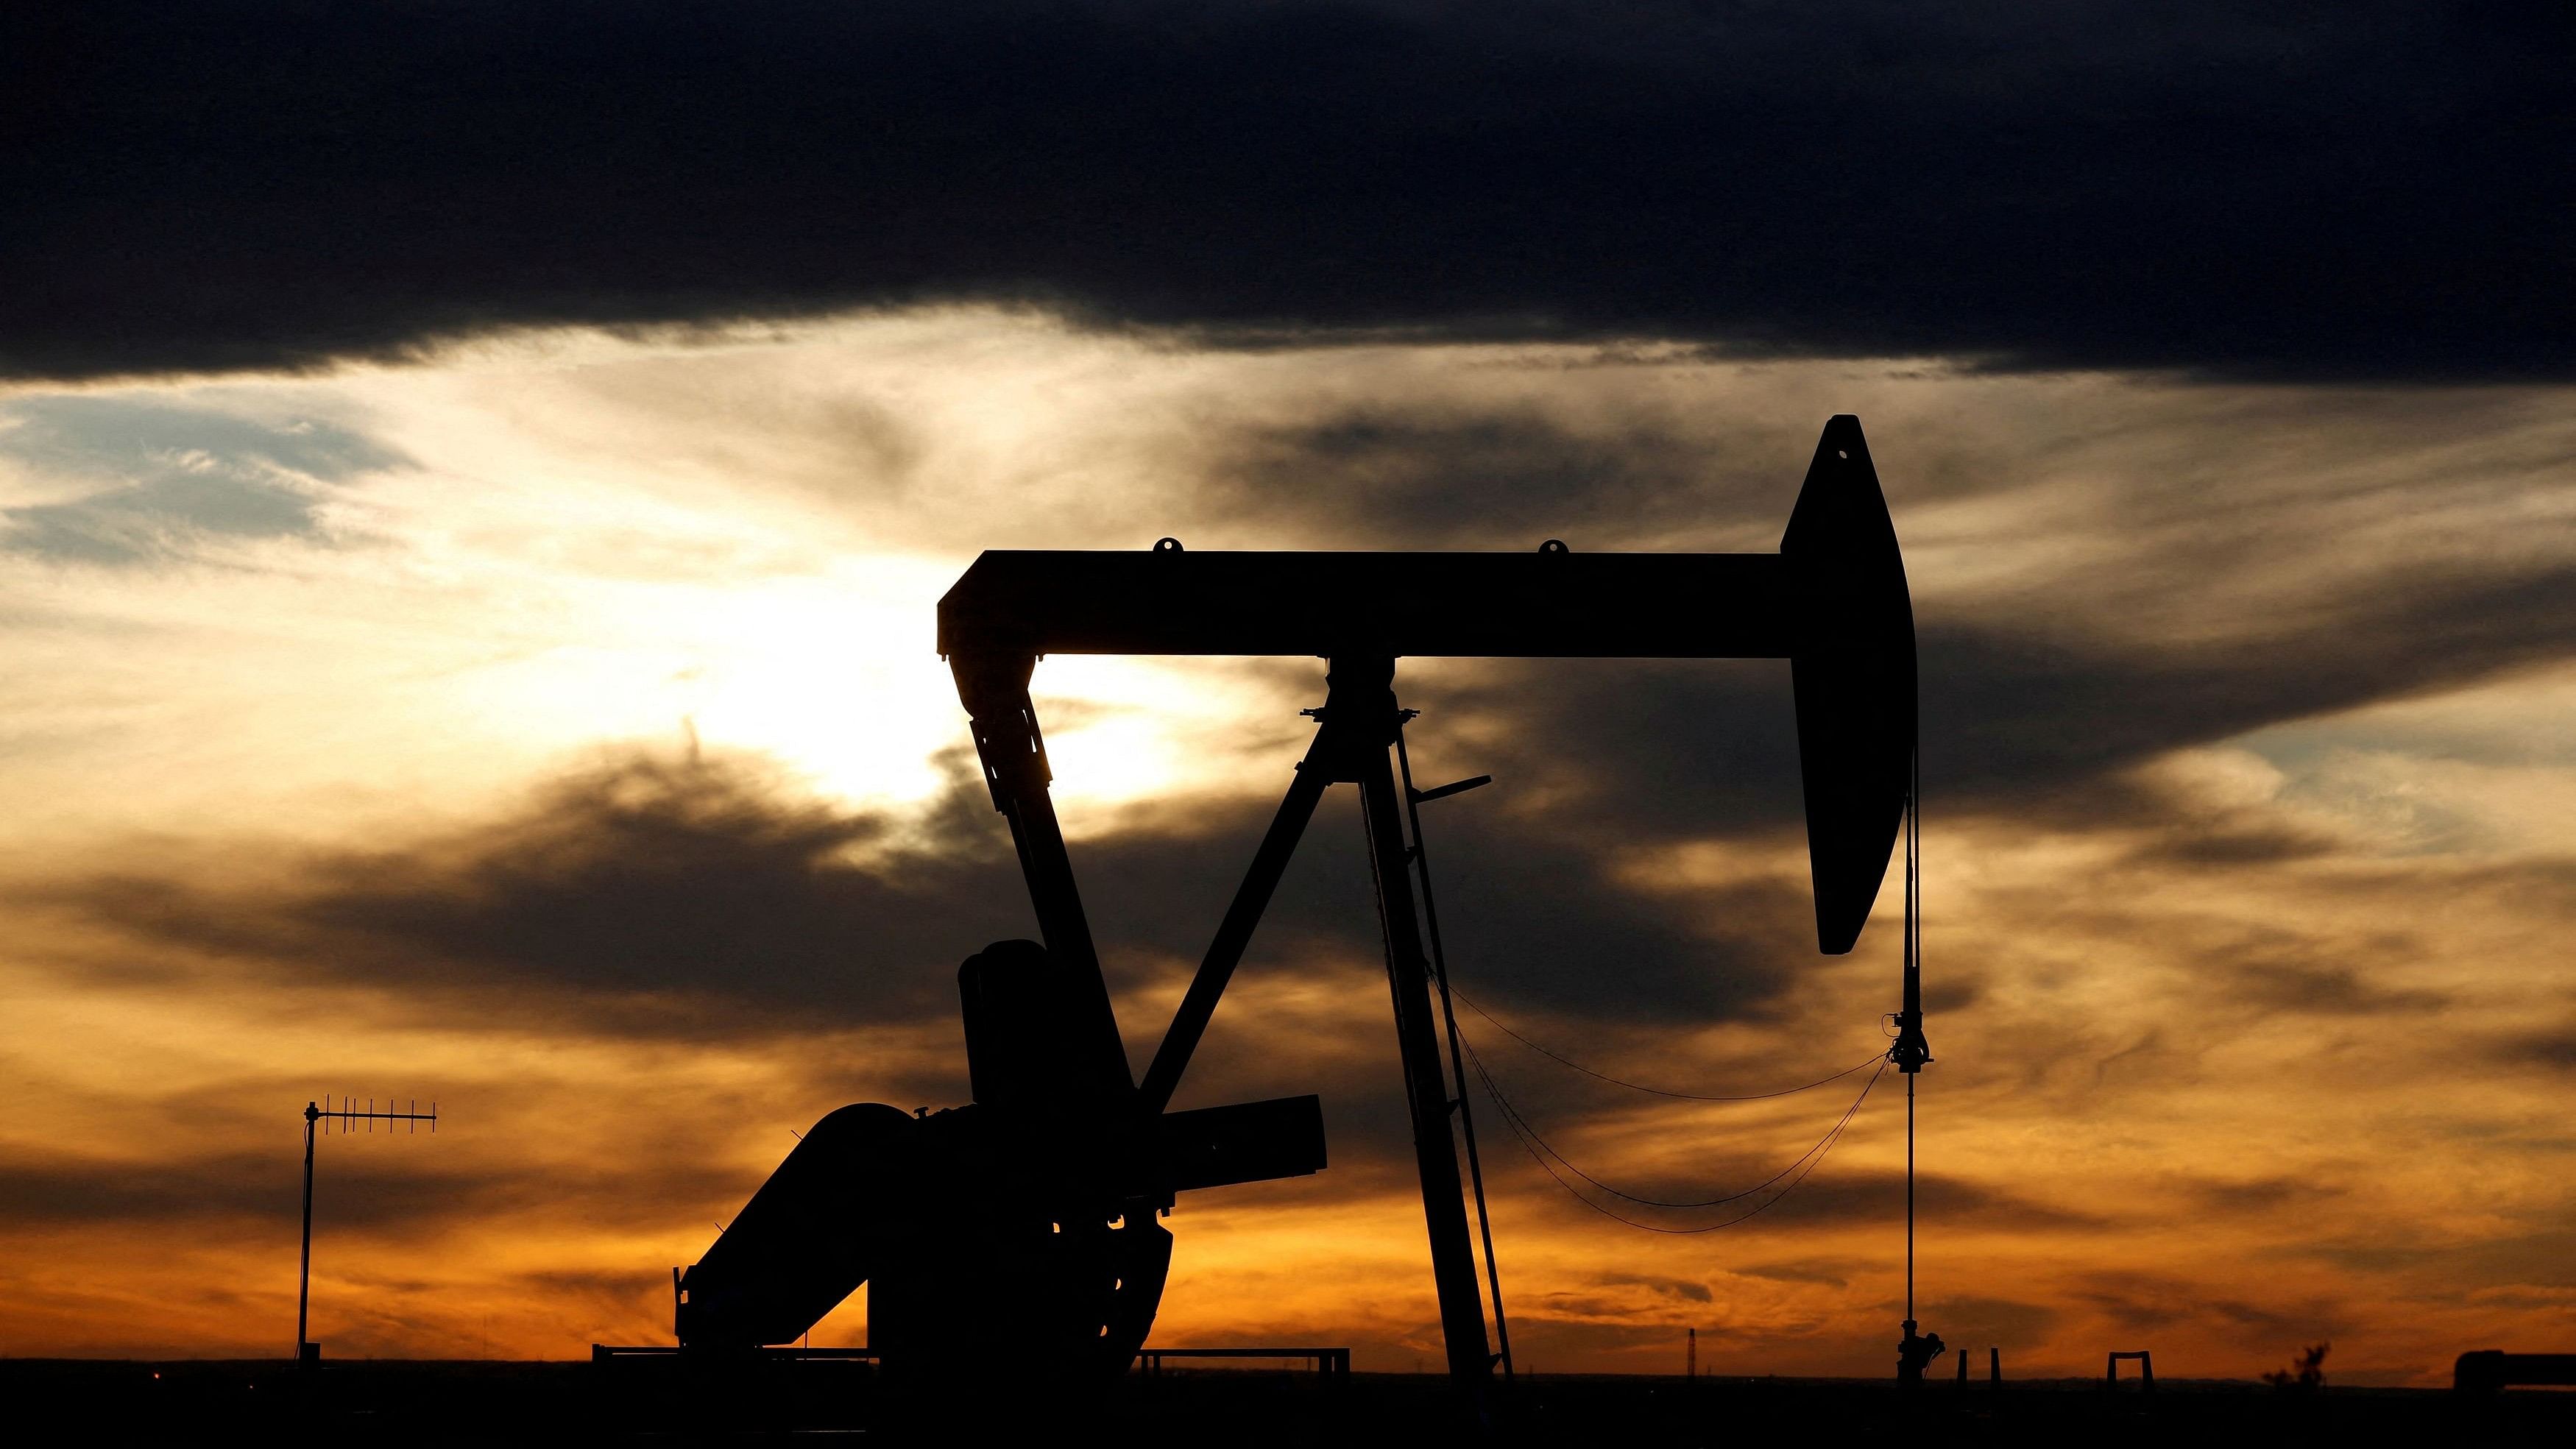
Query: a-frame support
[
  {"x": 1356, "y": 730},
  {"x": 1365, "y": 687}
]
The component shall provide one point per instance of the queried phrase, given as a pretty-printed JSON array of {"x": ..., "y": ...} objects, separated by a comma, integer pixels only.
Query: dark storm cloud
[
  {"x": 1832, "y": 1194},
  {"x": 2014, "y": 712},
  {"x": 689, "y": 883},
  {"x": 2364, "y": 189},
  {"x": 57, "y": 1192},
  {"x": 1475, "y": 478},
  {"x": 693, "y": 898}
]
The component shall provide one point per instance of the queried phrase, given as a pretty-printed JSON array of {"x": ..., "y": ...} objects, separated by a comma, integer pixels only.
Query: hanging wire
[
  {"x": 1532, "y": 1132},
  {"x": 1505, "y": 1029},
  {"x": 1812, "y": 1158},
  {"x": 1548, "y": 1157}
]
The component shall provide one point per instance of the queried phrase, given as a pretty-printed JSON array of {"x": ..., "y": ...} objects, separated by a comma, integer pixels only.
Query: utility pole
[
  {"x": 1910, "y": 1054},
  {"x": 306, "y": 1351},
  {"x": 308, "y": 1354}
]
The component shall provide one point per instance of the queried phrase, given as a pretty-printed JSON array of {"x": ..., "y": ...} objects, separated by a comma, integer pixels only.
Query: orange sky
[{"x": 551, "y": 727}]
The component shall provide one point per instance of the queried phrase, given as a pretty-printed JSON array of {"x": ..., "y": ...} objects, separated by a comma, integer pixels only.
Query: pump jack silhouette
[{"x": 1026, "y": 1225}]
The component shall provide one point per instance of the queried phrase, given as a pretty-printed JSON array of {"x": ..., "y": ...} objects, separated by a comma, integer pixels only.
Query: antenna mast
[{"x": 307, "y": 1352}]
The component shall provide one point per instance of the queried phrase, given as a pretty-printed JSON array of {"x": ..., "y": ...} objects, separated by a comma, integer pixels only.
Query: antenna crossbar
[{"x": 348, "y": 1113}]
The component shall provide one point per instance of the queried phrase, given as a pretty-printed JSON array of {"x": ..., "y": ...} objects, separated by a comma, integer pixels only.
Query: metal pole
[
  {"x": 1457, "y": 1064},
  {"x": 304, "y": 1266},
  {"x": 1364, "y": 687},
  {"x": 1911, "y": 1052}
]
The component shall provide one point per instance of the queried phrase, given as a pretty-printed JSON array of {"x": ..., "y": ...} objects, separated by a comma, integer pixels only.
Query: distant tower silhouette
[{"x": 306, "y": 1351}]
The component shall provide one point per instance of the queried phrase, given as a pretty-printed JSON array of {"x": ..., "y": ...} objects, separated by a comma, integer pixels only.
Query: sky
[{"x": 475, "y": 483}]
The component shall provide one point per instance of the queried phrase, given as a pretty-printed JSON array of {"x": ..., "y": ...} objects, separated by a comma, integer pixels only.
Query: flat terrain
[{"x": 455, "y": 1402}]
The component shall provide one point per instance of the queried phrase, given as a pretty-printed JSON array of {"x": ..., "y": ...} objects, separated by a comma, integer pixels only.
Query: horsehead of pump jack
[{"x": 1033, "y": 1213}]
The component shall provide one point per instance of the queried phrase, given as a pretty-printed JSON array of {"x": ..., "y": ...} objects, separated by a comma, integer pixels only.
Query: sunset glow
[{"x": 376, "y": 730}]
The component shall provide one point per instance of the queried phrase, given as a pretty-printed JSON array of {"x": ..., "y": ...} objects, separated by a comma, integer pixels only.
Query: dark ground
[{"x": 442, "y": 1403}]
